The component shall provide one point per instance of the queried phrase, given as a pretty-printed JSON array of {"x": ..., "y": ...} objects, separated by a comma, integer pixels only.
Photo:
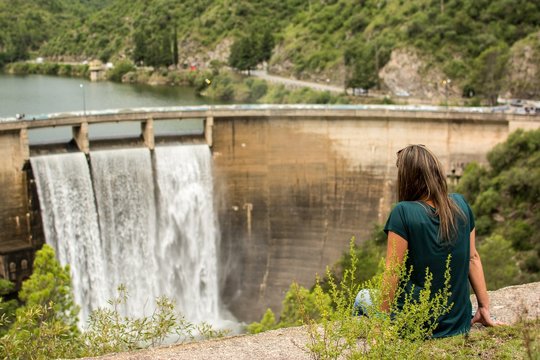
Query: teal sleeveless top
[{"x": 417, "y": 223}]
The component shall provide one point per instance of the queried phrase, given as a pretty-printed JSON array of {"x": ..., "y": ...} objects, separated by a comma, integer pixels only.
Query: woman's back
[{"x": 418, "y": 223}]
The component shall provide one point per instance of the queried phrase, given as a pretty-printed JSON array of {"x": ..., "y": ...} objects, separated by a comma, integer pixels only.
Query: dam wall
[
  {"x": 16, "y": 242},
  {"x": 293, "y": 192},
  {"x": 292, "y": 184}
]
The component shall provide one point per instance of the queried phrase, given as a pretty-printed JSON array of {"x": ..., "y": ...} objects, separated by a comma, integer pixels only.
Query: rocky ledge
[{"x": 508, "y": 305}]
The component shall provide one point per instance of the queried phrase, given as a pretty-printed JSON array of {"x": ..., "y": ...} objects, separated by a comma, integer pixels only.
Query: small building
[{"x": 97, "y": 70}]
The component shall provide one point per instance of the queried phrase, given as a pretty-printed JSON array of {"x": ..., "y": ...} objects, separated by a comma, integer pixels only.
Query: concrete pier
[
  {"x": 147, "y": 129},
  {"x": 80, "y": 135}
]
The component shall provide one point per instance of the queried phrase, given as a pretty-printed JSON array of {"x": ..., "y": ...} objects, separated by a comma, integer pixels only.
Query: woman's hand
[{"x": 483, "y": 317}]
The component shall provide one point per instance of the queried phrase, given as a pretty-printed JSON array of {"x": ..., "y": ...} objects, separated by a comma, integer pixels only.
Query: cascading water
[
  {"x": 70, "y": 223},
  {"x": 150, "y": 228},
  {"x": 187, "y": 229},
  {"x": 124, "y": 192}
]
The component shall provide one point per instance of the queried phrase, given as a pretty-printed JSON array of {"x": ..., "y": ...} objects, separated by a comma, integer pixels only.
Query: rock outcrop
[
  {"x": 410, "y": 75},
  {"x": 523, "y": 70}
]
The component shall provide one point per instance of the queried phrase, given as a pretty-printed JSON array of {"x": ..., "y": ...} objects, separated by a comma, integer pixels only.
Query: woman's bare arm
[
  {"x": 478, "y": 283},
  {"x": 395, "y": 253}
]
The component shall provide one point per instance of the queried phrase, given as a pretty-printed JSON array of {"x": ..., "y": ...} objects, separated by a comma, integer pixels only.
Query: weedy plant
[
  {"x": 45, "y": 325},
  {"x": 400, "y": 333},
  {"x": 109, "y": 331}
]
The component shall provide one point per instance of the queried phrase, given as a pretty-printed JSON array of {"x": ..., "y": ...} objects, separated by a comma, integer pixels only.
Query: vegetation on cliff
[
  {"x": 28, "y": 26},
  {"x": 484, "y": 47},
  {"x": 504, "y": 198}
]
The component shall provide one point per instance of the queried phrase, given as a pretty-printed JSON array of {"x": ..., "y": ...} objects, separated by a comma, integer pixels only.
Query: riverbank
[
  {"x": 220, "y": 83},
  {"x": 48, "y": 68},
  {"x": 217, "y": 84},
  {"x": 512, "y": 305}
]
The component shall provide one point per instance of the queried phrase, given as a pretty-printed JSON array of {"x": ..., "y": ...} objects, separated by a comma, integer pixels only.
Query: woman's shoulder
[
  {"x": 459, "y": 198},
  {"x": 409, "y": 207}
]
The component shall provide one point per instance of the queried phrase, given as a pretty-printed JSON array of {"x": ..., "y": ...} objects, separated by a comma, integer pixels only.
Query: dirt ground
[{"x": 507, "y": 305}]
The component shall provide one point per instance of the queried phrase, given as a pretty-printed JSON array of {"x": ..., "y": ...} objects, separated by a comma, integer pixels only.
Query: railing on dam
[
  {"x": 80, "y": 121},
  {"x": 44, "y": 120}
]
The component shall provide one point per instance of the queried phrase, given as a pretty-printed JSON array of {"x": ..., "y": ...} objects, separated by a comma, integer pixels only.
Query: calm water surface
[{"x": 41, "y": 94}]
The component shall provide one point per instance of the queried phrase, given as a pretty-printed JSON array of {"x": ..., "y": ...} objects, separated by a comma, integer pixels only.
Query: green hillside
[
  {"x": 127, "y": 29},
  {"x": 27, "y": 26},
  {"x": 476, "y": 43}
]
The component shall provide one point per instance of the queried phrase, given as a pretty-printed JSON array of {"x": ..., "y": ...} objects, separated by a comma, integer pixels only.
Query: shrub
[
  {"x": 258, "y": 89},
  {"x": 64, "y": 70},
  {"x": 499, "y": 261},
  {"x": 121, "y": 68},
  {"x": 108, "y": 331},
  {"x": 45, "y": 326},
  {"x": 7, "y": 307},
  {"x": 268, "y": 322},
  {"x": 383, "y": 337}
]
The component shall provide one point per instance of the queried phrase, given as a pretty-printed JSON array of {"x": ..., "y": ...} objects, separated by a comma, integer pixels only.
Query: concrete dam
[{"x": 289, "y": 186}]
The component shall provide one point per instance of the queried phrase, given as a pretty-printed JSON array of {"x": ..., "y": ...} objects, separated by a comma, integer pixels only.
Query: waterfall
[
  {"x": 188, "y": 229},
  {"x": 124, "y": 192},
  {"x": 70, "y": 223},
  {"x": 144, "y": 221}
]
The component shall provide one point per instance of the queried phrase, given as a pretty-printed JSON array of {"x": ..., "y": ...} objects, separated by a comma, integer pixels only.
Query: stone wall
[{"x": 16, "y": 253}]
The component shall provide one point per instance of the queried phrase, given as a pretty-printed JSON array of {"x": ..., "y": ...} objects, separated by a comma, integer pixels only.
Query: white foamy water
[
  {"x": 149, "y": 225},
  {"x": 70, "y": 224},
  {"x": 124, "y": 192},
  {"x": 187, "y": 230}
]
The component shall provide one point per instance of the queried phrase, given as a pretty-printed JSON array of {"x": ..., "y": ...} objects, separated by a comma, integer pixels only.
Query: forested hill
[{"x": 485, "y": 47}]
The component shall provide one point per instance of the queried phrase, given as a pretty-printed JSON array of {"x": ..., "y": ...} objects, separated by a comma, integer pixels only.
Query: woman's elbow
[{"x": 474, "y": 258}]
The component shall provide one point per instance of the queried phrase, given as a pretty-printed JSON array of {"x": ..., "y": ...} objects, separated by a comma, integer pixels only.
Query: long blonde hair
[{"x": 421, "y": 178}]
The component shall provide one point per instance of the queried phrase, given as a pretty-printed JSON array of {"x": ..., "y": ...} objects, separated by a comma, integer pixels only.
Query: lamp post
[
  {"x": 446, "y": 83},
  {"x": 83, "y": 99}
]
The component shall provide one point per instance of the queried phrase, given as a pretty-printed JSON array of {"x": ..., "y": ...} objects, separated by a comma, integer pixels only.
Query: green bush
[
  {"x": 48, "y": 68},
  {"x": 499, "y": 262},
  {"x": 121, "y": 68},
  {"x": 268, "y": 322},
  {"x": 504, "y": 197},
  {"x": 258, "y": 88},
  {"x": 7, "y": 307},
  {"x": 337, "y": 332},
  {"x": 45, "y": 325},
  {"x": 65, "y": 70}
]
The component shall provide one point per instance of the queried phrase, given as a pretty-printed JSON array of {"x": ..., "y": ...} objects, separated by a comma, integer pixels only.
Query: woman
[{"x": 429, "y": 225}]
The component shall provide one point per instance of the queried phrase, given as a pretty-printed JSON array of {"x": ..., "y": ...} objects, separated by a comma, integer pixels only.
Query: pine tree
[
  {"x": 7, "y": 307},
  {"x": 50, "y": 285},
  {"x": 46, "y": 325},
  {"x": 266, "y": 45},
  {"x": 243, "y": 54},
  {"x": 175, "y": 47}
]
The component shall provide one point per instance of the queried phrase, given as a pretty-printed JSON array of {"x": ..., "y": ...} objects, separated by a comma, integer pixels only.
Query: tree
[
  {"x": 50, "y": 284},
  {"x": 504, "y": 198},
  {"x": 364, "y": 60},
  {"x": 243, "y": 54},
  {"x": 266, "y": 45},
  {"x": 7, "y": 307},
  {"x": 175, "y": 47},
  {"x": 140, "y": 49},
  {"x": 46, "y": 325},
  {"x": 489, "y": 70}
]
